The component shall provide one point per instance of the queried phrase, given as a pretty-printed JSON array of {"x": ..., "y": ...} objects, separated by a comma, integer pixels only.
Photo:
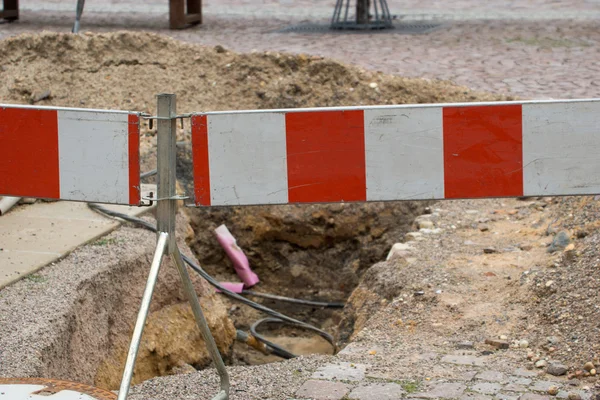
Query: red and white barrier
[
  {"x": 451, "y": 151},
  {"x": 70, "y": 154}
]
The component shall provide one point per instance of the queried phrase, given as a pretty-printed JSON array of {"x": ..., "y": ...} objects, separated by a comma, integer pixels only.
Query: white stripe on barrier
[
  {"x": 257, "y": 171},
  {"x": 401, "y": 140},
  {"x": 93, "y": 156},
  {"x": 561, "y": 148}
]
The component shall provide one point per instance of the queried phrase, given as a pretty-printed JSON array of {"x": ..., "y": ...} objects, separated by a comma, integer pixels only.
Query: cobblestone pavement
[
  {"x": 403, "y": 9},
  {"x": 340, "y": 381}
]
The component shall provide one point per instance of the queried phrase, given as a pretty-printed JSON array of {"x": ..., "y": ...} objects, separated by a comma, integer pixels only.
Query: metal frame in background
[
  {"x": 361, "y": 19},
  {"x": 182, "y": 13},
  {"x": 167, "y": 244},
  {"x": 10, "y": 10}
]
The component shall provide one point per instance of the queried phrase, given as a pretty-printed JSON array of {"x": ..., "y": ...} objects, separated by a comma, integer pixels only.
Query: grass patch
[
  {"x": 409, "y": 386},
  {"x": 35, "y": 278},
  {"x": 104, "y": 242}
]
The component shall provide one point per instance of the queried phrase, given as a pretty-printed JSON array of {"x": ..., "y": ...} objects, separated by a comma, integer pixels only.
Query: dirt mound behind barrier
[{"x": 126, "y": 70}]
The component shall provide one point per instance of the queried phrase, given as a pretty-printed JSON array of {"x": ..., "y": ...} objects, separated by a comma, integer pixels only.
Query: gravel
[{"x": 568, "y": 310}]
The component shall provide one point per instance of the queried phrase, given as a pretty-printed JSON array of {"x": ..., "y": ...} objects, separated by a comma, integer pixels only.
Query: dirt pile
[
  {"x": 125, "y": 70},
  {"x": 171, "y": 338},
  {"x": 566, "y": 299},
  {"x": 171, "y": 343}
]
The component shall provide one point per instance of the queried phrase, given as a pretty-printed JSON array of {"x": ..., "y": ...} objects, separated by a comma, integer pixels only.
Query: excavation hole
[{"x": 306, "y": 252}]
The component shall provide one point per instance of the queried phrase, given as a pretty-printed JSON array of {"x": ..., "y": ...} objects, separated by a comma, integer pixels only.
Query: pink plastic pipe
[
  {"x": 235, "y": 287},
  {"x": 237, "y": 256}
]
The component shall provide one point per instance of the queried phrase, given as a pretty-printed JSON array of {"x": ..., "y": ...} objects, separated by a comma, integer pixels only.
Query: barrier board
[
  {"x": 70, "y": 154},
  {"x": 409, "y": 152}
]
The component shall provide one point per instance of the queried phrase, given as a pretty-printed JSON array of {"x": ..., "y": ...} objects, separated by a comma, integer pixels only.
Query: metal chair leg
[{"x": 78, "y": 14}]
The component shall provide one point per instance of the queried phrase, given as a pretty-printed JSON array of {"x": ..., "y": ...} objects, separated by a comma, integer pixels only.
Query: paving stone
[
  {"x": 322, "y": 390},
  {"x": 441, "y": 391},
  {"x": 491, "y": 376},
  {"x": 565, "y": 394},
  {"x": 542, "y": 386},
  {"x": 464, "y": 360},
  {"x": 587, "y": 395},
  {"x": 342, "y": 372},
  {"x": 423, "y": 357},
  {"x": 513, "y": 387},
  {"x": 533, "y": 396},
  {"x": 505, "y": 396},
  {"x": 486, "y": 388},
  {"x": 524, "y": 373},
  {"x": 427, "y": 356},
  {"x": 520, "y": 380},
  {"x": 469, "y": 375},
  {"x": 387, "y": 391},
  {"x": 475, "y": 396}
]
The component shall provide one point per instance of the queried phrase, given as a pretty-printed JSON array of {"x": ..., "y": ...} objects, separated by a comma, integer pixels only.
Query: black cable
[
  {"x": 149, "y": 173},
  {"x": 276, "y": 315},
  {"x": 292, "y": 300},
  {"x": 277, "y": 350},
  {"x": 254, "y": 305}
]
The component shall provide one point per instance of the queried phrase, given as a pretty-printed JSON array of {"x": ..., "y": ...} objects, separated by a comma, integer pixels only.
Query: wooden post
[
  {"x": 180, "y": 18},
  {"x": 362, "y": 11},
  {"x": 194, "y": 7},
  {"x": 176, "y": 14},
  {"x": 11, "y": 10}
]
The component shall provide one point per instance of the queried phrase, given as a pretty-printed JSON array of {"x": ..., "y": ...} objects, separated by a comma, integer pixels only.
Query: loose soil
[
  {"x": 126, "y": 70},
  {"x": 565, "y": 294}
]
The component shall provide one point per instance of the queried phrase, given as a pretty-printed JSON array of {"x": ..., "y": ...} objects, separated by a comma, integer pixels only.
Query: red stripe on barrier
[
  {"x": 134, "y": 159},
  {"x": 326, "y": 156},
  {"x": 200, "y": 157},
  {"x": 483, "y": 151},
  {"x": 29, "y": 162}
]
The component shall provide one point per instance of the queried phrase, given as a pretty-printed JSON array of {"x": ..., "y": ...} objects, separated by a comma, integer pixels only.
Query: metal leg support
[
  {"x": 166, "y": 212},
  {"x": 161, "y": 246},
  {"x": 201, "y": 322}
]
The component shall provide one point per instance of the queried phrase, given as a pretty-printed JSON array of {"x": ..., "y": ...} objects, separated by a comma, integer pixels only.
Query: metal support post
[
  {"x": 78, "y": 14},
  {"x": 166, "y": 223},
  {"x": 161, "y": 246},
  {"x": 166, "y": 163},
  {"x": 202, "y": 325}
]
